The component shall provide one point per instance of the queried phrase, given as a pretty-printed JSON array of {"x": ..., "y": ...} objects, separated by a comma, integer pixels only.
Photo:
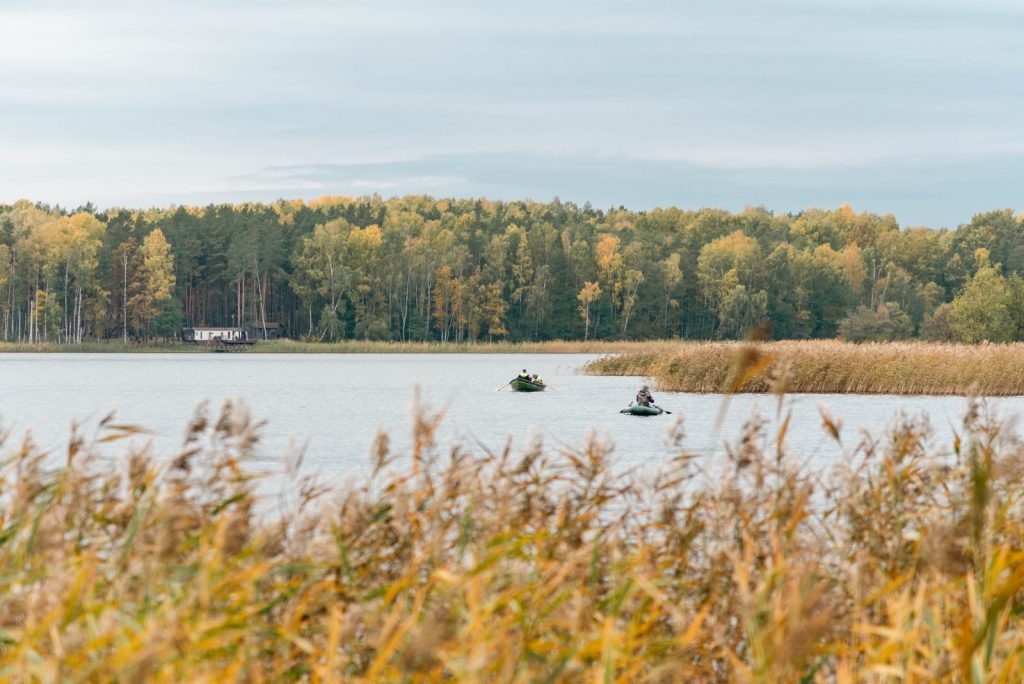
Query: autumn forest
[{"x": 419, "y": 268}]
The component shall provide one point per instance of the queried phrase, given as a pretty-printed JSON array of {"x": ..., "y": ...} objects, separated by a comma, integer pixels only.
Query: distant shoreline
[{"x": 343, "y": 347}]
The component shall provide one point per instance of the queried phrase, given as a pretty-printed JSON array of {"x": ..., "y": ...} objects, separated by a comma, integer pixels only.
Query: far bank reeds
[
  {"x": 828, "y": 367},
  {"x": 382, "y": 347},
  {"x": 902, "y": 563},
  {"x": 287, "y": 346},
  {"x": 96, "y": 347}
]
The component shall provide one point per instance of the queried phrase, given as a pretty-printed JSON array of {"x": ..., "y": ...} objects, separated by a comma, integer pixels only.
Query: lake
[{"x": 333, "y": 405}]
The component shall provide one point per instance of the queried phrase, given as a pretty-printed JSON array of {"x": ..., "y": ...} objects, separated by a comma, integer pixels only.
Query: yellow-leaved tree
[
  {"x": 156, "y": 281},
  {"x": 589, "y": 293}
]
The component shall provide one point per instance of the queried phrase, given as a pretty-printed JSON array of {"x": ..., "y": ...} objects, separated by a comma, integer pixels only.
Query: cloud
[
  {"x": 183, "y": 99},
  {"x": 915, "y": 194}
]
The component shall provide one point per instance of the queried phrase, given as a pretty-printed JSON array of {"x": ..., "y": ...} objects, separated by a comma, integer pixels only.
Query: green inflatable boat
[
  {"x": 526, "y": 385},
  {"x": 639, "y": 410}
]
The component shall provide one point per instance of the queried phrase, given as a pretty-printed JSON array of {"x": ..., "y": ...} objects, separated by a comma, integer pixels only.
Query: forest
[{"x": 419, "y": 268}]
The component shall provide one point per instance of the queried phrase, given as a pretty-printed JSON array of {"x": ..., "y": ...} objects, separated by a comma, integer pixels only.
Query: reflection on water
[{"x": 334, "y": 404}]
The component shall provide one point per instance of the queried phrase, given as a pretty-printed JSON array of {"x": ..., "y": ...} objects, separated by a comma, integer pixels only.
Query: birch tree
[{"x": 320, "y": 275}]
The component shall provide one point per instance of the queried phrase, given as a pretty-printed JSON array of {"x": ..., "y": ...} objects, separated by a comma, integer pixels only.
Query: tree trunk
[
  {"x": 261, "y": 295},
  {"x": 124, "y": 296}
]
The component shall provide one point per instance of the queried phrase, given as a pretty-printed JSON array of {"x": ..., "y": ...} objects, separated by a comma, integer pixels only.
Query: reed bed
[
  {"x": 904, "y": 563},
  {"x": 97, "y": 347},
  {"x": 829, "y": 367}
]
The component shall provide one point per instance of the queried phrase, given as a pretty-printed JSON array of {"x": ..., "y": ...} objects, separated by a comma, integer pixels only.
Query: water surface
[{"x": 332, "y": 405}]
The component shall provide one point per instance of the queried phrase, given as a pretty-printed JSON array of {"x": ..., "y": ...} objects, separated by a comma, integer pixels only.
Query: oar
[
  {"x": 498, "y": 389},
  {"x": 665, "y": 410}
]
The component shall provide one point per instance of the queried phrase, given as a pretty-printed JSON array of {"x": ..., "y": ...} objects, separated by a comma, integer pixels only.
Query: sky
[{"x": 913, "y": 108}]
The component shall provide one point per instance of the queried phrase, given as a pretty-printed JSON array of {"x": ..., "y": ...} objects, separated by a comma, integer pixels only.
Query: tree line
[{"x": 418, "y": 268}]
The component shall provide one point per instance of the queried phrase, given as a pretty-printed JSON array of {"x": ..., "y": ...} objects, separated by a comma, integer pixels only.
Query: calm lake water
[{"x": 334, "y": 404}]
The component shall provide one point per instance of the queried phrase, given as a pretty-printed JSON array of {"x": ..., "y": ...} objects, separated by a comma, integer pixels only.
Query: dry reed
[
  {"x": 829, "y": 367},
  {"x": 902, "y": 564}
]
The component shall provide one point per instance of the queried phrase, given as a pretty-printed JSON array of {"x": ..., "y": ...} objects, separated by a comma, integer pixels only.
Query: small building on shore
[{"x": 203, "y": 335}]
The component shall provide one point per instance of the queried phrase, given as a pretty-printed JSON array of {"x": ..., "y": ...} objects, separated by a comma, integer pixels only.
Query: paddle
[
  {"x": 665, "y": 410},
  {"x": 498, "y": 389}
]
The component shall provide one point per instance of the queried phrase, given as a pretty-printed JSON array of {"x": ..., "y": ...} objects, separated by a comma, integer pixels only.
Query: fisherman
[
  {"x": 643, "y": 397},
  {"x": 524, "y": 375}
]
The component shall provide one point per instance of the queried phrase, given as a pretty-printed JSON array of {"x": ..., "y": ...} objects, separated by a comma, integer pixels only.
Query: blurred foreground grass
[{"x": 904, "y": 563}]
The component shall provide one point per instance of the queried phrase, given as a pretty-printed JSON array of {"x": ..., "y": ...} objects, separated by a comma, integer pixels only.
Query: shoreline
[{"x": 344, "y": 347}]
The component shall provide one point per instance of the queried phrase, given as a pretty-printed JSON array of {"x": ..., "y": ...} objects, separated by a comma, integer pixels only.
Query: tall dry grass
[
  {"x": 827, "y": 366},
  {"x": 113, "y": 346},
  {"x": 905, "y": 563}
]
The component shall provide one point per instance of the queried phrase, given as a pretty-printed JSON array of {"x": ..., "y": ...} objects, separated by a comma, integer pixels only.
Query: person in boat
[
  {"x": 644, "y": 397},
  {"x": 536, "y": 379},
  {"x": 523, "y": 375}
]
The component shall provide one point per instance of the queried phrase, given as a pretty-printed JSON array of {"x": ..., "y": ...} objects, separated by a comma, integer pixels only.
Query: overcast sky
[{"x": 908, "y": 107}]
